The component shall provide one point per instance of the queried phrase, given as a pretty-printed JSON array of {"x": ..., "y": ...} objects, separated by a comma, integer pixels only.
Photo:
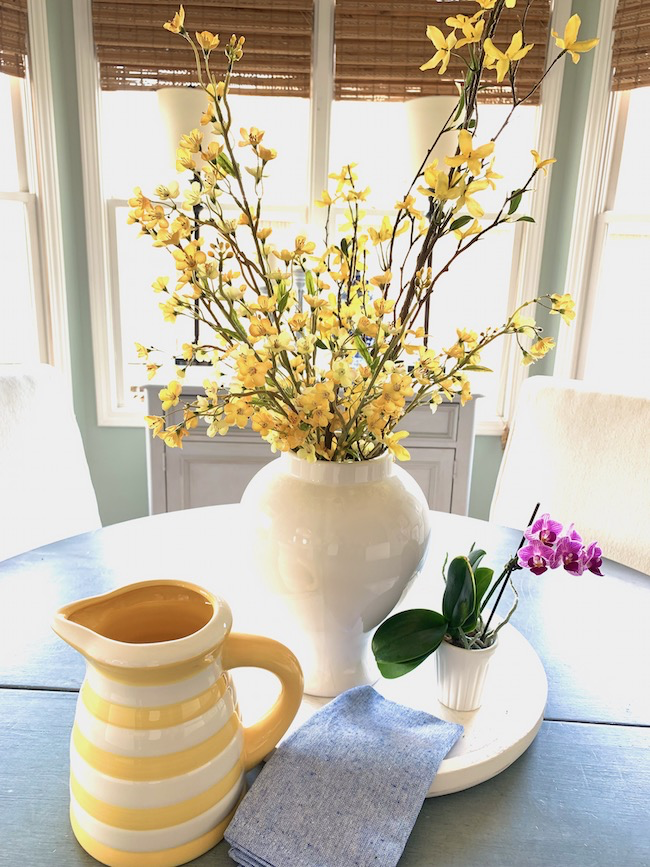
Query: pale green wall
[{"x": 117, "y": 455}]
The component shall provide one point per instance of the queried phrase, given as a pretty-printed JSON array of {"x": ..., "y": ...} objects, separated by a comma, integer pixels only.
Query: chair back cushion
[
  {"x": 584, "y": 454},
  {"x": 46, "y": 492}
]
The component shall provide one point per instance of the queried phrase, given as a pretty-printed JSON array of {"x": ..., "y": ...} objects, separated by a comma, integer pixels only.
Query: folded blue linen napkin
[{"x": 345, "y": 789}]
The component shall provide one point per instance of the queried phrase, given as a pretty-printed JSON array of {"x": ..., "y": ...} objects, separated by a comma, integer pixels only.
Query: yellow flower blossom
[
  {"x": 171, "y": 395},
  {"x": 208, "y": 41},
  {"x": 342, "y": 373},
  {"x": 173, "y": 437},
  {"x": 308, "y": 453},
  {"x": 473, "y": 229},
  {"x": 465, "y": 393},
  {"x": 466, "y": 197},
  {"x": 501, "y": 60},
  {"x": 167, "y": 191},
  {"x": 538, "y": 350},
  {"x": 184, "y": 160},
  {"x": 565, "y": 306},
  {"x": 444, "y": 46},
  {"x": 152, "y": 370},
  {"x": 142, "y": 351},
  {"x": 251, "y": 371},
  {"x": 156, "y": 423},
  {"x": 367, "y": 328},
  {"x": 520, "y": 322},
  {"x": 382, "y": 279},
  {"x": 345, "y": 177},
  {"x": 407, "y": 205},
  {"x": 383, "y": 306},
  {"x": 325, "y": 200},
  {"x": 392, "y": 442},
  {"x": 176, "y": 25},
  {"x": 540, "y": 163},
  {"x": 266, "y": 154},
  {"x": 472, "y": 28},
  {"x": 191, "y": 142},
  {"x": 569, "y": 41}
]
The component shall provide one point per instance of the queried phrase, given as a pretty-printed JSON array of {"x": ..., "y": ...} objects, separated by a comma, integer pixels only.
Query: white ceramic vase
[
  {"x": 338, "y": 544},
  {"x": 462, "y": 674}
]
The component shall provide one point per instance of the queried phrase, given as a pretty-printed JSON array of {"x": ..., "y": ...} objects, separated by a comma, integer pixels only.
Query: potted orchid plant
[{"x": 464, "y": 635}]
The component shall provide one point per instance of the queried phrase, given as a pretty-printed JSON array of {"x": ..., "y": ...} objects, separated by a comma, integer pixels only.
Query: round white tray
[{"x": 495, "y": 735}]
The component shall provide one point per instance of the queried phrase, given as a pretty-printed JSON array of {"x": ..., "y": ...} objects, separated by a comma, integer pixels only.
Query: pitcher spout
[{"x": 145, "y": 625}]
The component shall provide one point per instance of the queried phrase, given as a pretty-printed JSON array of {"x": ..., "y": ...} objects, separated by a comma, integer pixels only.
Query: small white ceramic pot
[{"x": 462, "y": 674}]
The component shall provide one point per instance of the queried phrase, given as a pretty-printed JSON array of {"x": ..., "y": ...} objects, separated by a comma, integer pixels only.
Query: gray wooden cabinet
[{"x": 212, "y": 471}]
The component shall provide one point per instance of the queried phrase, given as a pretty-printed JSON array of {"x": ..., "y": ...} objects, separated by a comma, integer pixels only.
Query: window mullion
[
  {"x": 18, "y": 101},
  {"x": 322, "y": 91}
]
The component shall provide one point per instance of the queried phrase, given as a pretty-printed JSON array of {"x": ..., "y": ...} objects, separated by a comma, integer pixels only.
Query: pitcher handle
[{"x": 239, "y": 651}]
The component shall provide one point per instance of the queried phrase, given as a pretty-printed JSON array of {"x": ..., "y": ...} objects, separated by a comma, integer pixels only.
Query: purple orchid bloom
[
  {"x": 573, "y": 534},
  {"x": 569, "y": 554},
  {"x": 593, "y": 558},
  {"x": 535, "y": 556},
  {"x": 545, "y": 530}
]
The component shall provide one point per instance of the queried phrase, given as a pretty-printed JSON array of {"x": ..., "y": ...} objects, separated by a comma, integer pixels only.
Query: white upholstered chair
[
  {"x": 584, "y": 454},
  {"x": 45, "y": 489}
]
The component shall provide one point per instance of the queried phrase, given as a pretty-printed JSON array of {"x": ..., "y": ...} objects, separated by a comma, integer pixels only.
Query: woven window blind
[
  {"x": 135, "y": 51},
  {"x": 13, "y": 37},
  {"x": 380, "y": 45},
  {"x": 631, "y": 52}
]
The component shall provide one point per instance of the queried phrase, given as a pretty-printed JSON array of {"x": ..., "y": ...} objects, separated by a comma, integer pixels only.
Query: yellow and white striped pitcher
[{"x": 158, "y": 751}]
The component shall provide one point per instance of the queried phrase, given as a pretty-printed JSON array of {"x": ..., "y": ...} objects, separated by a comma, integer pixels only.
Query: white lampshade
[
  {"x": 426, "y": 116},
  {"x": 181, "y": 109}
]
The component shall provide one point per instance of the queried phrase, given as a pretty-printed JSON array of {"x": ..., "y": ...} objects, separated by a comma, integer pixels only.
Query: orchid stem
[{"x": 512, "y": 565}]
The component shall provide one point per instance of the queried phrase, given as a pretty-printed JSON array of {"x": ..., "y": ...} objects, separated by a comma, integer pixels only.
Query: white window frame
[
  {"x": 602, "y": 146},
  {"x": 104, "y": 294},
  {"x": 38, "y": 182}
]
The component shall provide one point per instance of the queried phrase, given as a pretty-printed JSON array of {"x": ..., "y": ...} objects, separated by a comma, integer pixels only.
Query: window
[
  {"x": 33, "y": 324},
  {"x": 610, "y": 247},
  {"x": 620, "y": 281},
  {"x": 313, "y": 134}
]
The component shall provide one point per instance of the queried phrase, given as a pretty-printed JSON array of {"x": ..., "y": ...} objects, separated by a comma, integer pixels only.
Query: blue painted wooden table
[{"x": 578, "y": 797}]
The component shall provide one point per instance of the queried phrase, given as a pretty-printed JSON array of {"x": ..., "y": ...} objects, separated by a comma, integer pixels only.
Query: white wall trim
[
  {"x": 50, "y": 246},
  {"x": 534, "y": 234},
  {"x": 322, "y": 94},
  {"x": 99, "y": 275},
  {"x": 596, "y": 145}
]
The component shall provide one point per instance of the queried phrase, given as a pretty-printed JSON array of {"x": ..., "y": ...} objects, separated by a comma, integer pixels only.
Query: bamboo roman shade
[
  {"x": 380, "y": 45},
  {"x": 135, "y": 51},
  {"x": 13, "y": 37},
  {"x": 631, "y": 52}
]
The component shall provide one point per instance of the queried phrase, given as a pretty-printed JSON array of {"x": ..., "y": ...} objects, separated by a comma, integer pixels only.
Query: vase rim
[{"x": 338, "y": 472}]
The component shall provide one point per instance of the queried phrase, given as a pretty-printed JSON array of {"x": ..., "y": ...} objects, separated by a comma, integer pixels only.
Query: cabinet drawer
[{"x": 439, "y": 425}]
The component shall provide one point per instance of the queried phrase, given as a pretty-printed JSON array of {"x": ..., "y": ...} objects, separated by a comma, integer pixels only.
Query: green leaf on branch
[
  {"x": 321, "y": 344},
  {"x": 310, "y": 283},
  {"x": 515, "y": 201},
  {"x": 363, "y": 350},
  {"x": 461, "y": 104},
  {"x": 344, "y": 246},
  {"x": 459, "y": 599},
  {"x": 478, "y": 368},
  {"x": 460, "y": 222},
  {"x": 525, "y": 220},
  {"x": 224, "y": 163},
  {"x": 409, "y": 635},
  {"x": 283, "y": 301}
]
